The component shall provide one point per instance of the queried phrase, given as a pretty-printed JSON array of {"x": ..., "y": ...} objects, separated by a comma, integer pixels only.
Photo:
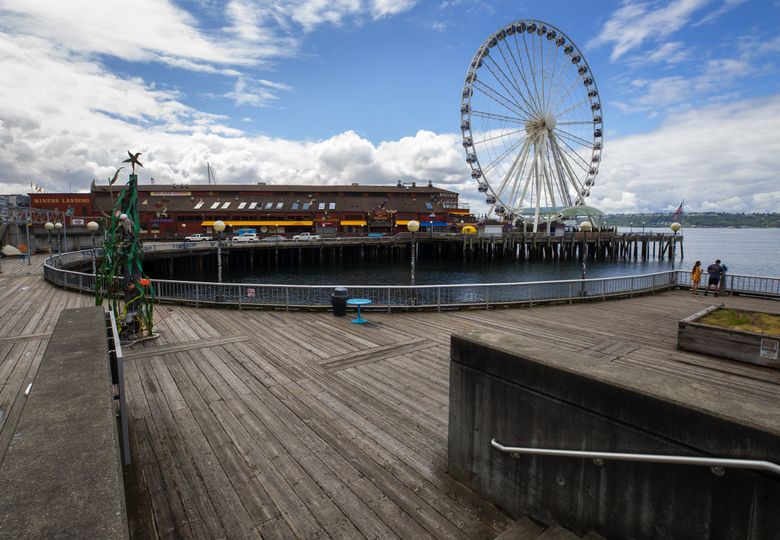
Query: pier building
[{"x": 178, "y": 210}]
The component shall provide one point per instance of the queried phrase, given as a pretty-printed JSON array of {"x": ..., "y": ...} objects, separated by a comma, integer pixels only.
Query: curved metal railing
[{"x": 399, "y": 297}]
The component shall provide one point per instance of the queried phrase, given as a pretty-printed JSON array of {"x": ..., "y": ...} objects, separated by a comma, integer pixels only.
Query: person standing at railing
[
  {"x": 723, "y": 270},
  {"x": 696, "y": 278},
  {"x": 715, "y": 270}
]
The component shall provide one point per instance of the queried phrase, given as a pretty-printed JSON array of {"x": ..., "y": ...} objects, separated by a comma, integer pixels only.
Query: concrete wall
[
  {"x": 61, "y": 476},
  {"x": 524, "y": 394}
]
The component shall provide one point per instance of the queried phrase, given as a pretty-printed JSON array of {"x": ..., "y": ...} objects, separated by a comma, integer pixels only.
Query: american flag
[{"x": 677, "y": 215}]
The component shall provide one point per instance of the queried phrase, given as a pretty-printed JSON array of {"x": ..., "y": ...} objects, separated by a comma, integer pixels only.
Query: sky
[{"x": 368, "y": 91}]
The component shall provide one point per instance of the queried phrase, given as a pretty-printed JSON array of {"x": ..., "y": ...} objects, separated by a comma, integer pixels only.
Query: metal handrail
[
  {"x": 119, "y": 358},
  {"x": 649, "y": 458}
]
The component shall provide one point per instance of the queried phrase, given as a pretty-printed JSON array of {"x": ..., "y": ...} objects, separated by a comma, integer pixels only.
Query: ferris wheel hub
[{"x": 540, "y": 125}]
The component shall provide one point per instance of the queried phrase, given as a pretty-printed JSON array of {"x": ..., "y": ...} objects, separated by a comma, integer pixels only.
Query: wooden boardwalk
[{"x": 281, "y": 425}]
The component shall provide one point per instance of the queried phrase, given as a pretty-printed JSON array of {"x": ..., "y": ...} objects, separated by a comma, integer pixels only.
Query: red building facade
[{"x": 176, "y": 211}]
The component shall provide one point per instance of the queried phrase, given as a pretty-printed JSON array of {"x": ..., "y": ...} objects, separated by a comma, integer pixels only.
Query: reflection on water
[{"x": 746, "y": 251}]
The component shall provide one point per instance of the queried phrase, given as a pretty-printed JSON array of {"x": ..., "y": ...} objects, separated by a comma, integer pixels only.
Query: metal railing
[
  {"x": 117, "y": 363},
  {"x": 736, "y": 283},
  {"x": 716, "y": 464},
  {"x": 390, "y": 297}
]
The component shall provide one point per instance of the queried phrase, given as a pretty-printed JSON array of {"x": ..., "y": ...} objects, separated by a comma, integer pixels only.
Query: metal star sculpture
[{"x": 133, "y": 160}]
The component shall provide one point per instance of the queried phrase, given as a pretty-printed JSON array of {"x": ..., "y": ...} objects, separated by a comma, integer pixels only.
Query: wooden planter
[{"x": 760, "y": 349}]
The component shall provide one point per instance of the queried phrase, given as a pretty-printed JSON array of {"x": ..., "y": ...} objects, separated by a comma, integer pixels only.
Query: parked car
[
  {"x": 197, "y": 238},
  {"x": 274, "y": 238},
  {"x": 306, "y": 237},
  {"x": 246, "y": 237}
]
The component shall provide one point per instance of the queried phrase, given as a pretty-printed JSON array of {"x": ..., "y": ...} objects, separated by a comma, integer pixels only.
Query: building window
[
  {"x": 321, "y": 206},
  {"x": 332, "y": 206},
  {"x": 214, "y": 206},
  {"x": 269, "y": 205},
  {"x": 295, "y": 205},
  {"x": 225, "y": 205},
  {"x": 252, "y": 205},
  {"x": 279, "y": 205},
  {"x": 197, "y": 206},
  {"x": 306, "y": 206},
  {"x": 241, "y": 206}
]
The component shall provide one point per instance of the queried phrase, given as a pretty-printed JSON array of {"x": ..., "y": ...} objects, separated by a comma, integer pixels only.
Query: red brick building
[{"x": 178, "y": 210}]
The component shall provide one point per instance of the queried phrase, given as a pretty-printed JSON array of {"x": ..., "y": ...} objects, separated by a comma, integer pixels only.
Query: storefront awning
[
  {"x": 358, "y": 222},
  {"x": 272, "y": 223}
]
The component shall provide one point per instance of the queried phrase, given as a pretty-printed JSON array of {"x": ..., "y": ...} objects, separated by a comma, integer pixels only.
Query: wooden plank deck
[{"x": 275, "y": 424}]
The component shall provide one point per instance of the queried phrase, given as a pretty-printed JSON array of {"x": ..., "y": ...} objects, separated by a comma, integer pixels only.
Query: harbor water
[{"x": 745, "y": 251}]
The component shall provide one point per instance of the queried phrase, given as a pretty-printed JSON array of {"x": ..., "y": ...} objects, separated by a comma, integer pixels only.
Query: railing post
[
  {"x": 239, "y": 297},
  {"x": 631, "y": 287},
  {"x": 438, "y": 299},
  {"x": 287, "y": 298},
  {"x": 487, "y": 296}
]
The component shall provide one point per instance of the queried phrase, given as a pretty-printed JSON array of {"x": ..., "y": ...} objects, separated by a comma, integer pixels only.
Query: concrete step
[
  {"x": 593, "y": 536},
  {"x": 556, "y": 532},
  {"x": 524, "y": 529}
]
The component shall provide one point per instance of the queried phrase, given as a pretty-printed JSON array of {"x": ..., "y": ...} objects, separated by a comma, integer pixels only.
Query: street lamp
[
  {"x": 413, "y": 225},
  {"x": 58, "y": 226},
  {"x": 219, "y": 226},
  {"x": 675, "y": 227},
  {"x": 585, "y": 227},
  {"x": 631, "y": 227},
  {"x": 92, "y": 227},
  {"x": 49, "y": 226}
]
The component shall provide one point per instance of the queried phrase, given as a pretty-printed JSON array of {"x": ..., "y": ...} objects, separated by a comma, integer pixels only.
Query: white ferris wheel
[{"x": 531, "y": 122}]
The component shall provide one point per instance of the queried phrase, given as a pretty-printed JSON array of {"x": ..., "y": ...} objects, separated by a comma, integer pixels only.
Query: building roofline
[{"x": 351, "y": 188}]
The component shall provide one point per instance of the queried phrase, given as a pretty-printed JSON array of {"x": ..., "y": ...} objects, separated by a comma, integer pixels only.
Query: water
[{"x": 745, "y": 251}]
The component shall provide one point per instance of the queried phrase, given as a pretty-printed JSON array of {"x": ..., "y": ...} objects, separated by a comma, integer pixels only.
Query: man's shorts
[{"x": 714, "y": 280}]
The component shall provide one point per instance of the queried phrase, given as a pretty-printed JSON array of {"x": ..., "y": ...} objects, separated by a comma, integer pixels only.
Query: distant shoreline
[{"x": 697, "y": 220}]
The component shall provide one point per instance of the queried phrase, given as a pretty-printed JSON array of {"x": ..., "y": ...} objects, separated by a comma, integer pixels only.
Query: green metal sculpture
[{"x": 120, "y": 279}]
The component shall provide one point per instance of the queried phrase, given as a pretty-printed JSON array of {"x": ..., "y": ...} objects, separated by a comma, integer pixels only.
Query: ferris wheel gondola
[{"x": 531, "y": 121}]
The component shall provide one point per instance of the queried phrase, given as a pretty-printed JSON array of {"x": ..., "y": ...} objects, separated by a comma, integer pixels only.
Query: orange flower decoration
[{"x": 145, "y": 282}]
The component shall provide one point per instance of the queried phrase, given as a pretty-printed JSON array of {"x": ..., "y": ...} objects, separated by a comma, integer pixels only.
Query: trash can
[{"x": 339, "y": 301}]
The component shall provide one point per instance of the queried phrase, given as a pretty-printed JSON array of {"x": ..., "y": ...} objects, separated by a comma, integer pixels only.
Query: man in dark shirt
[{"x": 715, "y": 271}]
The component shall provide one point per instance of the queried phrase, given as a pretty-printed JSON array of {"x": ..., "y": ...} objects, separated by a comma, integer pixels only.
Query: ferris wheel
[{"x": 531, "y": 122}]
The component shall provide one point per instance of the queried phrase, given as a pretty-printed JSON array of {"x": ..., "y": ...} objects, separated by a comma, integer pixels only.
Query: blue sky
[{"x": 369, "y": 91}]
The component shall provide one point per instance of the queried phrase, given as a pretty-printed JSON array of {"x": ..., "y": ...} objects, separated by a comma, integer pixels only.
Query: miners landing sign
[{"x": 60, "y": 199}]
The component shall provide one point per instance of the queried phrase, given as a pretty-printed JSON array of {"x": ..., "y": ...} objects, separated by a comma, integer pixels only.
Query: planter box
[{"x": 760, "y": 349}]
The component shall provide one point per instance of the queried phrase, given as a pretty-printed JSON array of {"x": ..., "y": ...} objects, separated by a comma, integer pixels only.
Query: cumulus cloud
[
  {"x": 718, "y": 157},
  {"x": 151, "y": 30}
]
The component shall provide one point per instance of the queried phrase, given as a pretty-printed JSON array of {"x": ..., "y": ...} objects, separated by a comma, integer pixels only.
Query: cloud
[
  {"x": 667, "y": 93},
  {"x": 147, "y": 30},
  {"x": 634, "y": 23},
  {"x": 716, "y": 157},
  {"x": 257, "y": 93},
  {"x": 727, "y": 6},
  {"x": 671, "y": 52},
  {"x": 253, "y": 20}
]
